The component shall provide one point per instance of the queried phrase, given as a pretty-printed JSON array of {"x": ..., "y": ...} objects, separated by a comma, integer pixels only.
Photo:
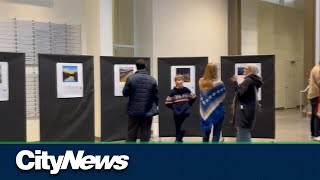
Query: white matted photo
[
  {"x": 189, "y": 74},
  {"x": 69, "y": 80},
  {"x": 239, "y": 68},
  {"x": 4, "y": 81},
  {"x": 121, "y": 74}
]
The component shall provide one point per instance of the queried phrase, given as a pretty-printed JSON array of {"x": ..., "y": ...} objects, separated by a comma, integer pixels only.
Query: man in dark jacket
[{"x": 142, "y": 90}]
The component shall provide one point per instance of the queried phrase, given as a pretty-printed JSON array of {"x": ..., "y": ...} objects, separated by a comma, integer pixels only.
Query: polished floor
[{"x": 290, "y": 127}]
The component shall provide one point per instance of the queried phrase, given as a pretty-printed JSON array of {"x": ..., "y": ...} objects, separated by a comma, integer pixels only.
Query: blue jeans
[
  {"x": 243, "y": 135},
  {"x": 216, "y": 132}
]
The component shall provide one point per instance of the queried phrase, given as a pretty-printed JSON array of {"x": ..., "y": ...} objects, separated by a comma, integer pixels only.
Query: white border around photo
[
  {"x": 4, "y": 85},
  {"x": 69, "y": 89},
  {"x": 118, "y": 85}
]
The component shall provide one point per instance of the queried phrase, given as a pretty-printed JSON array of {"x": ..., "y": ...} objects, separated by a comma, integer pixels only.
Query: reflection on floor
[{"x": 290, "y": 127}]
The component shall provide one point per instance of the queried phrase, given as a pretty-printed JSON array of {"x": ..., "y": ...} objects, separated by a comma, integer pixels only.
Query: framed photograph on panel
[
  {"x": 69, "y": 80},
  {"x": 121, "y": 74},
  {"x": 189, "y": 74},
  {"x": 4, "y": 81}
]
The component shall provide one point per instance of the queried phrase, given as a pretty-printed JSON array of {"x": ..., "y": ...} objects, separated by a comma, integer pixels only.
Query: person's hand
[{"x": 234, "y": 78}]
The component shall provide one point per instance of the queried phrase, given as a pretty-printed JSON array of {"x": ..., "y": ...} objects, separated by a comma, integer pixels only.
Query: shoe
[{"x": 316, "y": 138}]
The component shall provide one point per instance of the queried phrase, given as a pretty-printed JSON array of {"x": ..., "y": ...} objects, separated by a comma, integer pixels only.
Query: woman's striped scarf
[{"x": 211, "y": 107}]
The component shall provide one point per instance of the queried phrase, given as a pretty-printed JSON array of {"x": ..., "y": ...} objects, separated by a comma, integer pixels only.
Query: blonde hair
[
  {"x": 210, "y": 74},
  {"x": 178, "y": 76}
]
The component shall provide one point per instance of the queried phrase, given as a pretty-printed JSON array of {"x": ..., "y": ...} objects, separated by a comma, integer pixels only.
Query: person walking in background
[
  {"x": 246, "y": 102},
  {"x": 180, "y": 101},
  {"x": 313, "y": 96},
  {"x": 212, "y": 94},
  {"x": 142, "y": 90}
]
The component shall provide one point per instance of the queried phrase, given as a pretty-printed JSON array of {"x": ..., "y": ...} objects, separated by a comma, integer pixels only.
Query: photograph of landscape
[
  {"x": 125, "y": 72},
  {"x": 70, "y": 74}
]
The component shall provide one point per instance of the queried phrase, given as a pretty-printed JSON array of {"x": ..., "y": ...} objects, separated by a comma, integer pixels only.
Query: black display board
[
  {"x": 13, "y": 112},
  {"x": 265, "y": 124},
  {"x": 166, "y": 121},
  {"x": 114, "y": 117},
  {"x": 68, "y": 119}
]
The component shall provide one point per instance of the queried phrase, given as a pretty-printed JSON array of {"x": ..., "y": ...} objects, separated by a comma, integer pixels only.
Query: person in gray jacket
[
  {"x": 142, "y": 90},
  {"x": 245, "y": 102}
]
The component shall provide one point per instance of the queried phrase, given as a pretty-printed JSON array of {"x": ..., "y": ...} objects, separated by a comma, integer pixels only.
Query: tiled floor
[{"x": 290, "y": 127}]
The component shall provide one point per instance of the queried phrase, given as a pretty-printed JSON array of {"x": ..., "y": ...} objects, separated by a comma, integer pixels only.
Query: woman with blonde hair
[{"x": 212, "y": 94}]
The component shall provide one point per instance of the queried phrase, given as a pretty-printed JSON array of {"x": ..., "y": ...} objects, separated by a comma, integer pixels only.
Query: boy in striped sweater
[{"x": 180, "y": 101}]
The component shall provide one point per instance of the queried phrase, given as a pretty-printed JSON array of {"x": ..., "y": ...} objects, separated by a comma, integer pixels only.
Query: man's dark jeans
[{"x": 139, "y": 123}]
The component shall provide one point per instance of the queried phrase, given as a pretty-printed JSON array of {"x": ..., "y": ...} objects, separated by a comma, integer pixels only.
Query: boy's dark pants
[
  {"x": 139, "y": 123},
  {"x": 180, "y": 121}
]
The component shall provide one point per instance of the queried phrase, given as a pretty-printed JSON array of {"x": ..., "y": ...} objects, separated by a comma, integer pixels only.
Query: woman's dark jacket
[{"x": 245, "y": 101}]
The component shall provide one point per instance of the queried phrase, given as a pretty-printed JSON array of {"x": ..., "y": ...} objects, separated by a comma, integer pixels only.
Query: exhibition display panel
[
  {"x": 192, "y": 68},
  {"x": 114, "y": 73},
  {"x": 265, "y": 120},
  {"x": 12, "y": 97},
  {"x": 66, "y": 88}
]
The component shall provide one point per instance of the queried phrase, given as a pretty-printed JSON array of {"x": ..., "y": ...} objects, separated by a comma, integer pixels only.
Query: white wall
[
  {"x": 57, "y": 10},
  {"x": 190, "y": 28},
  {"x": 106, "y": 33},
  {"x": 249, "y": 27},
  {"x": 98, "y": 23},
  {"x": 92, "y": 27},
  {"x": 181, "y": 28}
]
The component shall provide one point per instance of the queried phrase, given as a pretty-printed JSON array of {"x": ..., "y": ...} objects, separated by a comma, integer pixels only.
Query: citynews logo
[{"x": 40, "y": 160}]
